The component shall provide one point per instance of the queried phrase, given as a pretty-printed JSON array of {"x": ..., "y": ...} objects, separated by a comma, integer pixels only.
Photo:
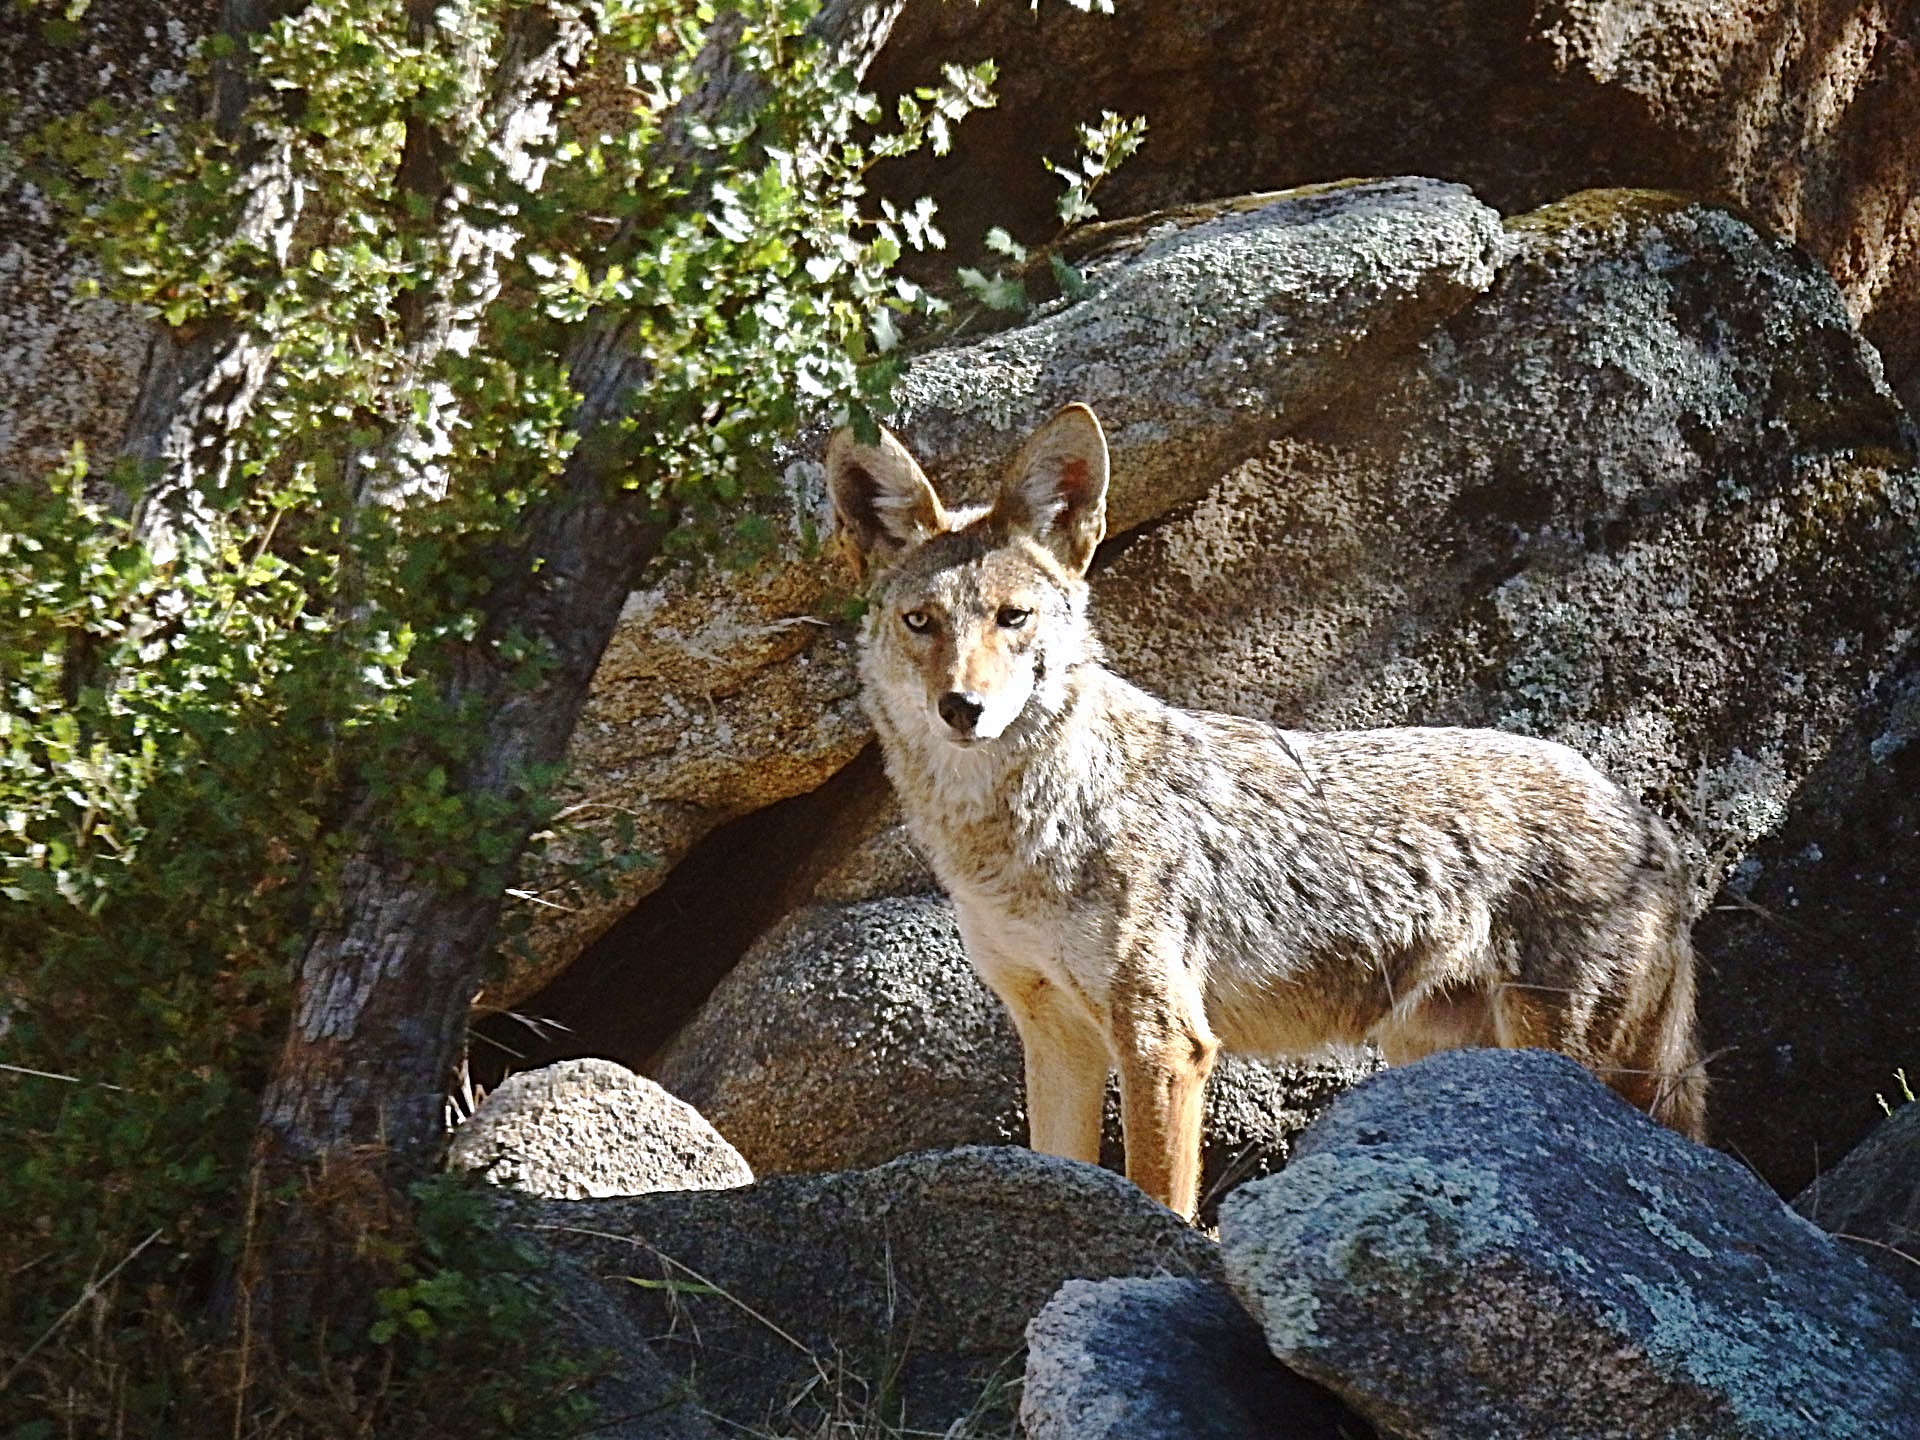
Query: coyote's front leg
[
  {"x": 1165, "y": 1052},
  {"x": 1066, "y": 1064}
]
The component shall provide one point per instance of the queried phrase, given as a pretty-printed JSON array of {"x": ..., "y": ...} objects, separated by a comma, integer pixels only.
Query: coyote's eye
[
  {"x": 1012, "y": 617},
  {"x": 917, "y": 621}
]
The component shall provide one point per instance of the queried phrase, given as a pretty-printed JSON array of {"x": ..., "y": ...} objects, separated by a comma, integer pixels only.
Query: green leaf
[
  {"x": 997, "y": 293},
  {"x": 1072, "y": 283},
  {"x": 1000, "y": 242}
]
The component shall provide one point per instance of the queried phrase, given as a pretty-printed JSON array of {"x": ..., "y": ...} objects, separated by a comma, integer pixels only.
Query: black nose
[{"x": 961, "y": 710}]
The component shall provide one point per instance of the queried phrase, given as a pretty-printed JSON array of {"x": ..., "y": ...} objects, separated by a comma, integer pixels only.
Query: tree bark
[
  {"x": 354, "y": 1107},
  {"x": 200, "y": 380}
]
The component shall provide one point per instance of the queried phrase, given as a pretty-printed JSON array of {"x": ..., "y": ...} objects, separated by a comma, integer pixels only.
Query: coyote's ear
[
  {"x": 1056, "y": 488},
  {"x": 881, "y": 497}
]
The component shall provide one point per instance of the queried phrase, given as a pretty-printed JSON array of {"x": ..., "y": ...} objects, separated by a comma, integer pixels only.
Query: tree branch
[{"x": 383, "y": 988}]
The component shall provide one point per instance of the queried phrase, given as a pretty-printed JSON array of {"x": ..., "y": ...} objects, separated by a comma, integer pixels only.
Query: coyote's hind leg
[{"x": 1637, "y": 1036}]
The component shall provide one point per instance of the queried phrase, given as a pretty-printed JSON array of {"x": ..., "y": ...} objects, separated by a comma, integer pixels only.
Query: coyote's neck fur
[{"x": 1028, "y": 816}]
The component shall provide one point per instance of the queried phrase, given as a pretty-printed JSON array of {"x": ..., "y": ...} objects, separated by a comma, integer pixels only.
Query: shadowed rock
[
  {"x": 1811, "y": 953},
  {"x": 635, "y": 1395},
  {"x": 1870, "y": 1201},
  {"x": 1165, "y": 1359},
  {"x": 902, "y": 1292}
]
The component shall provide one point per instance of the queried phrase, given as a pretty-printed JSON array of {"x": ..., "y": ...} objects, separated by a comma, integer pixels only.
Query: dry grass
[
  {"x": 840, "y": 1403},
  {"x": 839, "y": 1399}
]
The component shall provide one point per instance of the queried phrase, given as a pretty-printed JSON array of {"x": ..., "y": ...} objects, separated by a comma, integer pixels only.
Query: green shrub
[{"x": 197, "y": 688}]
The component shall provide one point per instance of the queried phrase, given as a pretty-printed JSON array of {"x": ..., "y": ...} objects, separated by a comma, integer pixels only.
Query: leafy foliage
[
  {"x": 146, "y": 912},
  {"x": 1103, "y": 148},
  {"x": 462, "y": 1280},
  {"x": 199, "y": 687}
]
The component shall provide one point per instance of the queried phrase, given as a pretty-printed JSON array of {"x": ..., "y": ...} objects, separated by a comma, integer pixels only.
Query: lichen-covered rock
[
  {"x": 911, "y": 1284},
  {"x": 1870, "y": 1201},
  {"x": 1810, "y": 1003},
  {"x": 1165, "y": 1359},
  {"x": 1800, "y": 111},
  {"x": 1491, "y": 1243},
  {"x": 1796, "y": 110},
  {"x": 1197, "y": 341},
  {"x": 852, "y": 1034},
  {"x": 1649, "y": 496},
  {"x": 586, "y": 1128},
  {"x": 1200, "y": 336}
]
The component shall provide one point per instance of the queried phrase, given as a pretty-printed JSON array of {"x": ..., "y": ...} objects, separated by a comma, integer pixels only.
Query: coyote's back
[{"x": 1142, "y": 884}]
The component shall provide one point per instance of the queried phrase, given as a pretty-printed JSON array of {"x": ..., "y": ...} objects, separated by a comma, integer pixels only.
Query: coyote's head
[{"x": 976, "y": 614}]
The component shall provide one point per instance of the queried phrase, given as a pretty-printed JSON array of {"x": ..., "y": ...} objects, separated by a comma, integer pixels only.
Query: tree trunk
[
  {"x": 354, "y": 1108},
  {"x": 201, "y": 380}
]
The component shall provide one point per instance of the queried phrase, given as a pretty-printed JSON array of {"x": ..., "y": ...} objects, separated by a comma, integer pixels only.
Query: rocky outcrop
[
  {"x": 1197, "y": 341},
  {"x": 1165, "y": 1359},
  {"x": 1649, "y": 496},
  {"x": 853, "y": 1034},
  {"x": 590, "y": 1128},
  {"x": 1492, "y": 1243},
  {"x": 1812, "y": 949},
  {"x": 1870, "y": 1201},
  {"x": 634, "y": 1395},
  {"x": 1648, "y": 493},
  {"x": 909, "y": 1286},
  {"x": 1799, "y": 111}
]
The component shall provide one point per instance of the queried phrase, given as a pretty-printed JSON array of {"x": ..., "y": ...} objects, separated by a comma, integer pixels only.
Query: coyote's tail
[{"x": 1676, "y": 1069}]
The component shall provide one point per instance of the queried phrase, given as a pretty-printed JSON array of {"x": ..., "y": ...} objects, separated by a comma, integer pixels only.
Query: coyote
[{"x": 1143, "y": 884}]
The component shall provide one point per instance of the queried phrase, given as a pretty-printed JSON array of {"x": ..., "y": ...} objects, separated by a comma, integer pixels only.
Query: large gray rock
[
  {"x": 1165, "y": 1359},
  {"x": 1799, "y": 111},
  {"x": 1870, "y": 1201},
  {"x": 1810, "y": 1003},
  {"x": 1649, "y": 496},
  {"x": 898, "y": 1293},
  {"x": 1203, "y": 334},
  {"x": 852, "y": 1034},
  {"x": 590, "y": 1127},
  {"x": 1197, "y": 339},
  {"x": 1492, "y": 1244}
]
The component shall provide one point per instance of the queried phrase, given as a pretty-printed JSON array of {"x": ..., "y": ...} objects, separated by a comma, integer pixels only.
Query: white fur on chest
[{"x": 1011, "y": 823}]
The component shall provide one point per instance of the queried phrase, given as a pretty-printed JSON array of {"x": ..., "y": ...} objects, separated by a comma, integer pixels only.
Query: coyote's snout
[{"x": 1141, "y": 884}]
